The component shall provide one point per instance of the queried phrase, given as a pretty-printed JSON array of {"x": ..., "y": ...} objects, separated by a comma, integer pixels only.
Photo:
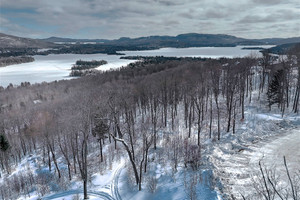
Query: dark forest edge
[
  {"x": 82, "y": 68},
  {"x": 6, "y": 61}
]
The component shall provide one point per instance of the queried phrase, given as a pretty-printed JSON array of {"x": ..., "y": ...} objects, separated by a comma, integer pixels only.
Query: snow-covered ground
[
  {"x": 102, "y": 186},
  {"x": 263, "y": 137},
  {"x": 173, "y": 187}
]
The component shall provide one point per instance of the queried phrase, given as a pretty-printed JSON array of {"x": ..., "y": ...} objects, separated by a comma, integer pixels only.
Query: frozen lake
[
  {"x": 56, "y": 67},
  {"x": 53, "y": 67},
  {"x": 205, "y": 52}
]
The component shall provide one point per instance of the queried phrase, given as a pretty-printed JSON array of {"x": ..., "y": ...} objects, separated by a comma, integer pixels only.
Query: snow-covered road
[
  {"x": 272, "y": 153},
  {"x": 100, "y": 194},
  {"x": 114, "y": 183},
  {"x": 61, "y": 195},
  {"x": 236, "y": 167}
]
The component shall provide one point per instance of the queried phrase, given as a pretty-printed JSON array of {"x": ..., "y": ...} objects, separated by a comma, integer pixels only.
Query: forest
[
  {"x": 82, "y": 68},
  {"x": 5, "y": 61},
  {"x": 81, "y": 126}
]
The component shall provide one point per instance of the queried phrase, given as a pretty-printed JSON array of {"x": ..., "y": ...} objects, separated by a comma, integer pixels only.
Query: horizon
[
  {"x": 65, "y": 37},
  {"x": 97, "y": 19}
]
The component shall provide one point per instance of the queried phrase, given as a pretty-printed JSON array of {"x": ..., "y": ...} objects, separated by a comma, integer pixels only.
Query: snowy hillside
[{"x": 176, "y": 129}]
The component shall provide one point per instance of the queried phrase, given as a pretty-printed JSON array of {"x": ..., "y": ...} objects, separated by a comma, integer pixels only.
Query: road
[
  {"x": 112, "y": 195},
  {"x": 237, "y": 167}
]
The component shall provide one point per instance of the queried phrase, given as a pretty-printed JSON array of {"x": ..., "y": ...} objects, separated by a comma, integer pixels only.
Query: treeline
[
  {"x": 160, "y": 59},
  {"x": 71, "y": 49},
  {"x": 82, "y": 68},
  {"x": 5, "y": 61},
  {"x": 134, "y": 109},
  {"x": 82, "y": 65},
  {"x": 12, "y": 52}
]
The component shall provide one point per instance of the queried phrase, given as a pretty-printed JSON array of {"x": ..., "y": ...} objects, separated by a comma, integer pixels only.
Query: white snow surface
[
  {"x": 236, "y": 158},
  {"x": 57, "y": 66}
]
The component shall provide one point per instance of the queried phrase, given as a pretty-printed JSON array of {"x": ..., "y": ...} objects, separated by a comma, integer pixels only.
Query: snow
[
  {"x": 168, "y": 186},
  {"x": 205, "y": 52},
  {"x": 57, "y": 66},
  {"x": 269, "y": 116},
  {"x": 272, "y": 153},
  {"x": 53, "y": 67},
  {"x": 104, "y": 186},
  {"x": 265, "y": 137}
]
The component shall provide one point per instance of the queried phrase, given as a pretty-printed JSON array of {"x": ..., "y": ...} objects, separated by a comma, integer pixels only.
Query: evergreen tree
[
  {"x": 4, "y": 144},
  {"x": 275, "y": 88},
  {"x": 100, "y": 130}
]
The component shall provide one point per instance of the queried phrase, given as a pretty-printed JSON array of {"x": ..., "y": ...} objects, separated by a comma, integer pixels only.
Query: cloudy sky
[{"x": 110, "y": 19}]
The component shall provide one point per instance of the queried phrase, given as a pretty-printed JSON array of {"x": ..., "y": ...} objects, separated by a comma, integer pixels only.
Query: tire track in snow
[
  {"x": 115, "y": 182},
  {"x": 104, "y": 195}
]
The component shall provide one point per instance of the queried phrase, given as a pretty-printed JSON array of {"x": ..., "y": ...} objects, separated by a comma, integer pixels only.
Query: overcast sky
[{"x": 110, "y": 19}]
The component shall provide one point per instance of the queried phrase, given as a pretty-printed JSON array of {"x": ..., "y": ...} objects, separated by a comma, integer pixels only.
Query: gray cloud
[{"x": 133, "y": 18}]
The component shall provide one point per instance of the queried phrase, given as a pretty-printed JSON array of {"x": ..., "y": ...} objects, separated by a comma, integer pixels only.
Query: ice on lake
[
  {"x": 205, "y": 52},
  {"x": 56, "y": 67},
  {"x": 52, "y": 67}
]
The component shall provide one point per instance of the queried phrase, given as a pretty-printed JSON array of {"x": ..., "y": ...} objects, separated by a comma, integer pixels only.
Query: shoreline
[{"x": 7, "y": 61}]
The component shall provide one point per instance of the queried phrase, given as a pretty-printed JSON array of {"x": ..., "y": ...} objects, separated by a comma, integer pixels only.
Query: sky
[{"x": 112, "y": 19}]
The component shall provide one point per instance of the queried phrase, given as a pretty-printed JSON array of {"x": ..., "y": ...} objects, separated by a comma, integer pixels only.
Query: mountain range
[
  {"x": 182, "y": 40},
  {"x": 151, "y": 42}
]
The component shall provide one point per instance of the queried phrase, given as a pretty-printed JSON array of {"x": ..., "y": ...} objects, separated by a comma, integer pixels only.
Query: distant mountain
[
  {"x": 141, "y": 43},
  {"x": 9, "y": 41},
  {"x": 284, "y": 48},
  {"x": 182, "y": 40},
  {"x": 70, "y": 40},
  {"x": 279, "y": 41}
]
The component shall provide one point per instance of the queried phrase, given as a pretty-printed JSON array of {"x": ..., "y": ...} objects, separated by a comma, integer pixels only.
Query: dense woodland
[
  {"x": 81, "y": 67},
  {"x": 5, "y": 61},
  {"x": 132, "y": 112}
]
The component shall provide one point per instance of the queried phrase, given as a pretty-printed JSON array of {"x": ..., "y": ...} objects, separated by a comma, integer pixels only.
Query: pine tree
[
  {"x": 4, "y": 144},
  {"x": 274, "y": 93},
  {"x": 100, "y": 130}
]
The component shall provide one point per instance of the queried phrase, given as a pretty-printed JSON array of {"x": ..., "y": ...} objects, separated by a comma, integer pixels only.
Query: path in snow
[
  {"x": 113, "y": 186},
  {"x": 288, "y": 146},
  {"x": 236, "y": 167},
  {"x": 60, "y": 195},
  {"x": 115, "y": 181}
]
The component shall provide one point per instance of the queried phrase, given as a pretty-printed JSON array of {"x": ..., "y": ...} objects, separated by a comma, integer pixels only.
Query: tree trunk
[
  {"x": 55, "y": 161},
  {"x": 85, "y": 195},
  {"x": 218, "y": 112},
  {"x": 211, "y": 118},
  {"x": 101, "y": 153},
  {"x": 190, "y": 120}
]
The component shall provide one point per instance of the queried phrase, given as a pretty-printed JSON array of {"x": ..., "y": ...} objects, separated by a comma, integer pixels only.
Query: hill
[
  {"x": 279, "y": 41},
  {"x": 71, "y": 40},
  {"x": 180, "y": 41},
  {"x": 284, "y": 48},
  {"x": 10, "y": 41}
]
